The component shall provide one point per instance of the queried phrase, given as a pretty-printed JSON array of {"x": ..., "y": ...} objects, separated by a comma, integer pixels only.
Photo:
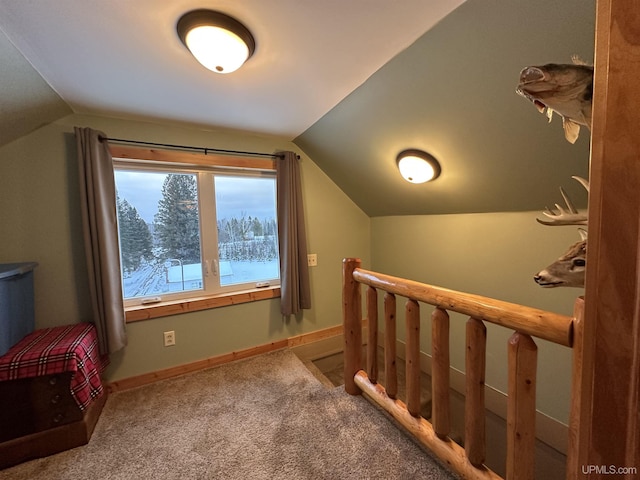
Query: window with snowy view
[{"x": 188, "y": 232}]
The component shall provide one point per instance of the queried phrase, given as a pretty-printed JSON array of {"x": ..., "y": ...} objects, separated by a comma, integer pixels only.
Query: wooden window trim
[
  {"x": 141, "y": 155},
  {"x": 135, "y": 313}
]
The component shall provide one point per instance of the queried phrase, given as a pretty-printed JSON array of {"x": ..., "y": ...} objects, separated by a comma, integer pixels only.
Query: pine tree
[
  {"x": 135, "y": 238},
  {"x": 176, "y": 223},
  {"x": 256, "y": 227}
]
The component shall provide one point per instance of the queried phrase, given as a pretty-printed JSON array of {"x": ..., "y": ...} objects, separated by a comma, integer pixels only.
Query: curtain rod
[{"x": 187, "y": 147}]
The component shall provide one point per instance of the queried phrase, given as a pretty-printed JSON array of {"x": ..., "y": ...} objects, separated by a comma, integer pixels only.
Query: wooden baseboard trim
[{"x": 291, "y": 342}]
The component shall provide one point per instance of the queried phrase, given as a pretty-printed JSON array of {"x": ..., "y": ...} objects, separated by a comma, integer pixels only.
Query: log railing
[{"x": 522, "y": 360}]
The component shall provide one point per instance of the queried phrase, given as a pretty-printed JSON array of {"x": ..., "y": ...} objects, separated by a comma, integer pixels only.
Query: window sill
[{"x": 176, "y": 307}]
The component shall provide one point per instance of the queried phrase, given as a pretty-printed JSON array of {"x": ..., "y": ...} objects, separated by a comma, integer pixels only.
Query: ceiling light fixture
[
  {"x": 417, "y": 166},
  {"x": 219, "y": 42}
]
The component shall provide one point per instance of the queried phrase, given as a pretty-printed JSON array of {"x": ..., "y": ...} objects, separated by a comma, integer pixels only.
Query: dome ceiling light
[
  {"x": 417, "y": 166},
  {"x": 219, "y": 42}
]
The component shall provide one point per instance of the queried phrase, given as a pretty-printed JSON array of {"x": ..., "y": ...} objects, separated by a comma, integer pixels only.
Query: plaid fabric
[{"x": 71, "y": 348}]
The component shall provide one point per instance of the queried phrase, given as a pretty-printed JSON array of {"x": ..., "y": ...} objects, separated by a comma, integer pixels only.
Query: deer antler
[{"x": 568, "y": 216}]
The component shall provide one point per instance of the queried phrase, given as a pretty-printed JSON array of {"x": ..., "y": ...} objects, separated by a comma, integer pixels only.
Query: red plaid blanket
[{"x": 71, "y": 348}]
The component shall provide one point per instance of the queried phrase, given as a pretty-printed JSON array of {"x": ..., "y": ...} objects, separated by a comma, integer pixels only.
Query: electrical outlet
[
  {"x": 169, "y": 338},
  {"x": 312, "y": 259}
]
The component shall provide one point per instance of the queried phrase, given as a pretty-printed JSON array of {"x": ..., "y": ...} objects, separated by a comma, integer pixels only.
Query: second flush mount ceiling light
[
  {"x": 417, "y": 166},
  {"x": 219, "y": 42}
]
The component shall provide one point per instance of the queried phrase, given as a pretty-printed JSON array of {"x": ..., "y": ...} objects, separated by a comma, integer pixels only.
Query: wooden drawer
[{"x": 35, "y": 404}]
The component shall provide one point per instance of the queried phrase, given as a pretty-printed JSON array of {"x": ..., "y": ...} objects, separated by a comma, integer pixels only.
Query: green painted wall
[
  {"x": 40, "y": 220},
  {"x": 490, "y": 254}
]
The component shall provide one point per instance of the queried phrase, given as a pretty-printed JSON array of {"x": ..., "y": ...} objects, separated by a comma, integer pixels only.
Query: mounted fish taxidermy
[
  {"x": 566, "y": 89},
  {"x": 568, "y": 270}
]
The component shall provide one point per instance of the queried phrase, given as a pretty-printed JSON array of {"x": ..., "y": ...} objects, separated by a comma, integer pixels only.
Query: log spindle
[
  {"x": 474, "y": 409},
  {"x": 352, "y": 319},
  {"x": 441, "y": 415},
  {"x": 390, "y": 366},
  {"x": 412, "y": 311},
  {"x": 521, "y": 407},
  {"x": 372, "y": 342}
]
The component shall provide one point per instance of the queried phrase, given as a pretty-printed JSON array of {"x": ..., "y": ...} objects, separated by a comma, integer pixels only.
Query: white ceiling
[{"x": 124, "y": 58}]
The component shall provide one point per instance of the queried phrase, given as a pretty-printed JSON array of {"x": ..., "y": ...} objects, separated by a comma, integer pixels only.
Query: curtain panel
[
  {"x": 295, "y": 290},
  {"x": 100, "y": 229}
]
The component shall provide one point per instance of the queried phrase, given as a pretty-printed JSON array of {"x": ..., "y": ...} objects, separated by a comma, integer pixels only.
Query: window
[{"x": 195, "y": 230}]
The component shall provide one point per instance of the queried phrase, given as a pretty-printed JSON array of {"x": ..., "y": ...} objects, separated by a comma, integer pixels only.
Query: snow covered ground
[{"x": 151, "y": 279}]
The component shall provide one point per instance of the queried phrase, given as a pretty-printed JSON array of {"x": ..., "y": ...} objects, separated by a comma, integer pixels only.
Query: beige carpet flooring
[
  {"x": 550, "y": 464},
  {"x": 263, "y": 418}
]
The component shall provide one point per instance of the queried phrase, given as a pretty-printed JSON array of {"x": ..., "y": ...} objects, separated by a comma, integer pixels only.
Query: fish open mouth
[
  {"x": 538, "y": 104},
  {"x": 529, "y": 76}
]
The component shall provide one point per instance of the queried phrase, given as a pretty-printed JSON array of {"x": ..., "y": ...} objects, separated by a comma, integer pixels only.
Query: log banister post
[
  {"x": 412, "y": 363},
  {"x": 441, "y": 414},
  {"x": 521, "y": 407},
  {"x": 390, "y": 367},
  {"x": 352, "y": 320},
  {"x": 475, "y": 366},
  {"x": 372, "y": 342}
]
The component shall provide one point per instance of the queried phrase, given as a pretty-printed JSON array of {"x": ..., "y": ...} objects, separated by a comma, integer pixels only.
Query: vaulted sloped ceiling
[
  {"x": 328, "y": 75},
  {"x": 27, "y": 102},
  {"x": 125, "y": 58},
  {"x": 452, "y": 94}
]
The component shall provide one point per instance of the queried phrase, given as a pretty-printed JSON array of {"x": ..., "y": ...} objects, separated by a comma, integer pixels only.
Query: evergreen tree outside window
[
  {"x": 176, "y": 223},
  {"x": 135, "y": 237}
]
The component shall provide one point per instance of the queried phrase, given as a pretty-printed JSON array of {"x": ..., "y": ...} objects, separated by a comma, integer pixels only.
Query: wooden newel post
[
  {"x": 574, "y": 464},
  {"x": 352, "y": 321},
  {"x": 521, "y": 407}
]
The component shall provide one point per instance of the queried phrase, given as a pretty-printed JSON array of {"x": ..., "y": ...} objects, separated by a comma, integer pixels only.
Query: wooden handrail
[
  {"x": 521, "y": 412},
  {"x": 549, "y": 326}
]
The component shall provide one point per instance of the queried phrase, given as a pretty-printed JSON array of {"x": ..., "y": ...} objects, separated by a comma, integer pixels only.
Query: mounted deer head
[{"x": 569, "y": 269}]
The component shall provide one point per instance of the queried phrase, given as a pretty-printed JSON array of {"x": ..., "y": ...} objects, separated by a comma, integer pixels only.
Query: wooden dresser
[{"x": 51, "y": 394}]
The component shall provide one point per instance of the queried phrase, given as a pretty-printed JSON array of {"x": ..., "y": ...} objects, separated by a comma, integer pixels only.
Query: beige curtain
[
  {"x": 99, "y": 219},
  {"x": 295, "y": 290}
]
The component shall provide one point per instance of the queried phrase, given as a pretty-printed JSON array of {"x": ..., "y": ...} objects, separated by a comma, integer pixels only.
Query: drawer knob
[
  {"x": 53, "y": 380},
  {"x": 58, "y": 418},
  {"x": 55, "y": 399}
]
